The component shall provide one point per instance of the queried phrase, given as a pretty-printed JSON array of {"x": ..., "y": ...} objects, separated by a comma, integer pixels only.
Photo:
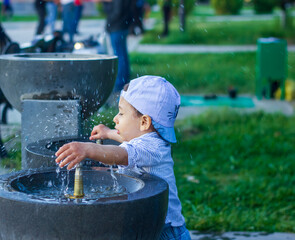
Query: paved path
[
  {"x": 195, "y": 235},
  {"x": 158, "y": 48},
  {"x": 268, "y": 106},
  {"x": 23, "y": 32}
]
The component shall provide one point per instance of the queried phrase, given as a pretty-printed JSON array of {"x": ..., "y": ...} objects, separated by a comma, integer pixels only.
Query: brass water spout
[{"x": 78, "y": 186}]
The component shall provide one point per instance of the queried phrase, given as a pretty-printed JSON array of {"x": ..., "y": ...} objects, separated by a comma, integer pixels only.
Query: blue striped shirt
[{"x": 151, "y": 154}]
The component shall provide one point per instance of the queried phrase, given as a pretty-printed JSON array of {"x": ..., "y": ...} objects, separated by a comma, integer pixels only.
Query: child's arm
[
  {"x": 74, "y": 152},
  {"x": 103, "y": 132}
]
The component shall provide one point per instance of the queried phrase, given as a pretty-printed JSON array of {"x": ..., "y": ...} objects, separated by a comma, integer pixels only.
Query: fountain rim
[
  {"x": 143, "y": 193},
  {"x": 48, "y": 152},
  {"x": 71, "y": 57}
]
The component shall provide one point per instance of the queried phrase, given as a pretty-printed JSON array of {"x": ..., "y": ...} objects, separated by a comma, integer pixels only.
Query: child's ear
[{"x": 145, "y": 123}]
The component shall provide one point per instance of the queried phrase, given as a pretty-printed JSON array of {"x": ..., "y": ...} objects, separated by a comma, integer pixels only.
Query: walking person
[
  {"x": 167, "y": 7},
  {"x": 7, "y": 10},
  {"x": 117, "y": 25},
  {"x": 138, "y": 15},
  {"x": 78, "y": 14},
  {"x": 51, "y": 7},
  {"x": 68, "y": 14},
  {"x": 40, "y": 6}
]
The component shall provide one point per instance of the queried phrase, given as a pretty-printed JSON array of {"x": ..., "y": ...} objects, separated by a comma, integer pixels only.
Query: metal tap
[{"x": 78, "y": 186}]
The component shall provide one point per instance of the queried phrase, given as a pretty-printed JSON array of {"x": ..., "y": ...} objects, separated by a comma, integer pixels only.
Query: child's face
[{"x": 127, "y": 121}]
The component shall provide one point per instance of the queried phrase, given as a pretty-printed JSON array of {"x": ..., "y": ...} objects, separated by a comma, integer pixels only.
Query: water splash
[
  {"x": 58, "y": 190},
  {"x": 115, "y": 180}
]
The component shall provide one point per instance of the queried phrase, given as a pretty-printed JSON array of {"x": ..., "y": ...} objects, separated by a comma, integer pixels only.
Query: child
[{"x": 148, "y": 107}]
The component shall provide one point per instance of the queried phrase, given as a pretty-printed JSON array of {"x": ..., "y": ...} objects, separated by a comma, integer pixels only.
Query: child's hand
[
  {"x": 71, "y": 153},
  {"x": 100, "y": 132}
]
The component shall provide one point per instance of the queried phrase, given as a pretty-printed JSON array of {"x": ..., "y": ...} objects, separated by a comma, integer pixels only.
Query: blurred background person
[
  {"x": 78, "y": 14},
  {"x": 68, "y": 14},
  {"x": 40, "y": 6},
  {"x": 166, "y": 9},
  {"x": 118, "y": 22},
  {"x": 7, "y": 10},
  {"x": 137, "y": 19},
  {"x": 51, "y": 7}
]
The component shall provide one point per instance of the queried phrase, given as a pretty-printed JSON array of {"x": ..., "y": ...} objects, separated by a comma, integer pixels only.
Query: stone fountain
[{"x": 55, "y": 93}]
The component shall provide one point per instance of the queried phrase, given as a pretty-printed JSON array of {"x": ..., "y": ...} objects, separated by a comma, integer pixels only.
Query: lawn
[
  {"x": 236, "y": 172},
  {"x": 199, "y": 73},
  {"x": 203, "y": 73},
  {"x": 204, "y": 27},
  {"x": 201, "y": 32}
]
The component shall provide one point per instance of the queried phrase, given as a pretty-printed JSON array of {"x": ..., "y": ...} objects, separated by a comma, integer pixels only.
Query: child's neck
[{"x": 143, "y": 133}]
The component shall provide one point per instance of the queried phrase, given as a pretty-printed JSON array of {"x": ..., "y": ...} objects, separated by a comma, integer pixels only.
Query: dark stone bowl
[
  {"x": 139, "y": 214},
  {"x": 41, "y": 153},
  {"x": 55, "y": 76}
]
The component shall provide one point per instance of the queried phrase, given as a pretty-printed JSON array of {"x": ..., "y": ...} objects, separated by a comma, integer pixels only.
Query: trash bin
[{"x": 271, "y": 67}]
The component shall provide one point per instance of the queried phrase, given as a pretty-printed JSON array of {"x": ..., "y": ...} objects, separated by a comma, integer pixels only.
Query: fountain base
[{"x": 138, "y": 214}]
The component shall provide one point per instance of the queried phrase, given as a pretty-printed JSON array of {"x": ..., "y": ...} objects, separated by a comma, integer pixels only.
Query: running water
[
  {"x": 52, "y": 193},
  {"x": 58, "y": 188},
  {"x": 116, "y": 185},
  {"x": 65, "y": 180}
]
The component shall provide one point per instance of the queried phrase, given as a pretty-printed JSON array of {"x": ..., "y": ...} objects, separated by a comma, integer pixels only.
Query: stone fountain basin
[
  {"x": 42, "y": 153},
  {"x": 139, "y": 214},
  {"x": 55, "y": 76}
]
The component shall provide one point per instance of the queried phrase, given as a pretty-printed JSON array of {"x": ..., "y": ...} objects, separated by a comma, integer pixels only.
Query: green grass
[
  {"x": 203, "y": 73},
  {"x": 218, "y": 33},
  {"x": 236, "y": 172},
  {"x": 13, "y": 160},
  {"x": 104, "y": 116},
  {"x": 199, "y": 73},
  {"x": 203, "y": 11},
  {"x": 19, "y": 19}
]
